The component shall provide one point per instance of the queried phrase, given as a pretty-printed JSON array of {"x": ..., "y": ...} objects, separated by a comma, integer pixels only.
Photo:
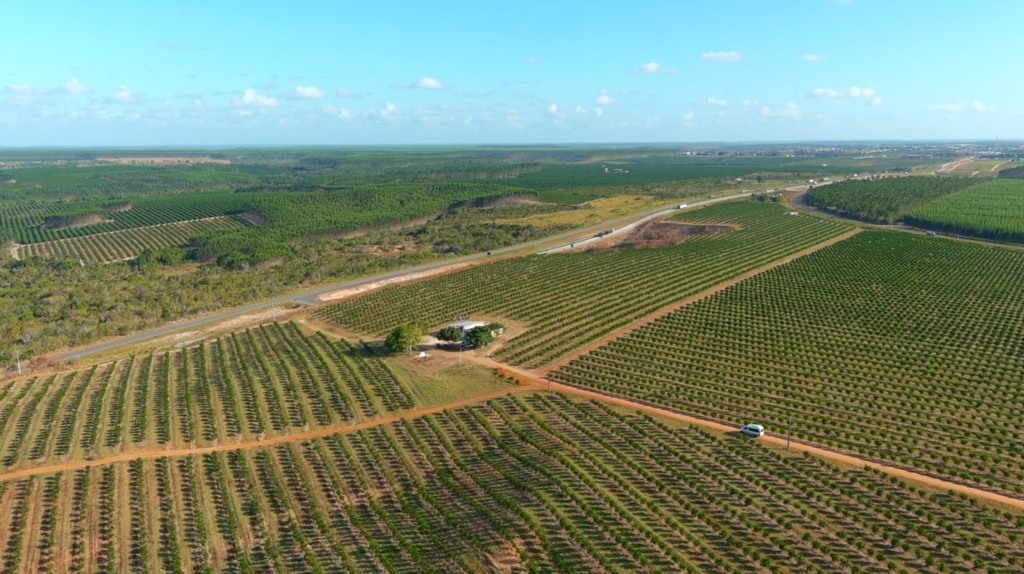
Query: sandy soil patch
[
  {"x": 588, "y": 213},
  {"x": 656, "y": 233},
  {"x": 351, "y": 291},
  {"x": 506, "y": 200},
  {"x": 187, "y": 337}
]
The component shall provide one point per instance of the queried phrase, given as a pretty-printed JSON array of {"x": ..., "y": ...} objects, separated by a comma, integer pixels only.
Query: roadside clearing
[{"x": 373, "y": 286}]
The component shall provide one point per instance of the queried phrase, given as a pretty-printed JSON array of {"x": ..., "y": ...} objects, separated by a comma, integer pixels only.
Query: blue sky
[{"x": 224, "y": 72}]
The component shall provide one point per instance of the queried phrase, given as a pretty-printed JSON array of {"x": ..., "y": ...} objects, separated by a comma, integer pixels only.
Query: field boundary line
[
  {"x": 652, "y": 317},
  {"x": 153, "y": 453}
]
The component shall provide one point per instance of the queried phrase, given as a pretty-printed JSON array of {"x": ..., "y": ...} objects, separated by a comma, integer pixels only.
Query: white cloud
[
  {"x": 604, "y": 99},
  {"x": 580, "y": 110},
  {"x": 251, "y": 99},
  {"x": 306, "y": 93},
  {"x": 122, "y": 95},
  {"x": 688, "y": 118},
  {"x": 598, "y": 112},
  {"x": 532, "y": 61},
  {"x": 24, "y": 89},
  {"x": 813, "y": 58},
  {"x": 974, "y": 106},
  {"x": 388, "y": 111},
  {"x": 980, "y": 107},
  {"x": 340, "y": 113},
  {"x": 823, "y": 93},
  {"x": 715, "y": 102},
  {"x": 650, "y": 68},
  {"x": 553, "y": 108},
  {"x": 726, "y": 57},
  {"x": 851, "y": 93},
  {"x": 429, "y": 84},
  {"x": 75, "y": 87},
  {"x": 347, "y": 93},
  {"x": 749, "y": 103},
  {"x": 790, "y": 110}
]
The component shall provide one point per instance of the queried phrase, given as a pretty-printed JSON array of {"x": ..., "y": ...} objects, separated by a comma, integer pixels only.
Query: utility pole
[{"x": 17, "y": 355}]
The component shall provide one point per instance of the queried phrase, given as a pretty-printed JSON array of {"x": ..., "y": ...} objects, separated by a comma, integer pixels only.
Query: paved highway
[{"x": 311, "y": 297}]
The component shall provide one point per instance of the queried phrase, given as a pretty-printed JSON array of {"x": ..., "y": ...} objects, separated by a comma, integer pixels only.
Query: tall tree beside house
[{"x": 404, "y": 338}]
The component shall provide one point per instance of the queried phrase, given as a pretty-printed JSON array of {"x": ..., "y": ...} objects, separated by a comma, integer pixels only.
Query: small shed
[{"x": 467, "y": 325}]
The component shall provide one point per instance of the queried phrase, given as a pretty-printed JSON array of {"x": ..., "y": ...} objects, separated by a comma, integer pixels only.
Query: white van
[{"x": 753, "y": 431}]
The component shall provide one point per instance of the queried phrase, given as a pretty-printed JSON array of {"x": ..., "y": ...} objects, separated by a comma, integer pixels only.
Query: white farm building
[{"x": 467, "y": 325}]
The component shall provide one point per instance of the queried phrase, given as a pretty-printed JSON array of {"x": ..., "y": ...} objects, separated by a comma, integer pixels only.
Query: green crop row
[
  {"x": 884, "y": 200},
  {"x": 28, "y": 223},
  {"x": 993, "y": 210},
  {"x": 520, "y": 484},
  {"x": 898, "y": 347},
  {"x": 268, "y": 380},
  {"x": 125, "y": 243}
]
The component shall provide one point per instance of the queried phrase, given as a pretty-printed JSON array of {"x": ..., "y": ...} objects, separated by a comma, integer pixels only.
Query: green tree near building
[
  {"x": 450, "y": 334},
  {"x": 404, "y": 338},
  {"x": 480, "y": 336}
]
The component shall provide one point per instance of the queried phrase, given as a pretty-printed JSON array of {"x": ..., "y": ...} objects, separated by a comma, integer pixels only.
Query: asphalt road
[{"x": 311, "y": 297}]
